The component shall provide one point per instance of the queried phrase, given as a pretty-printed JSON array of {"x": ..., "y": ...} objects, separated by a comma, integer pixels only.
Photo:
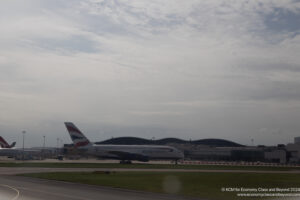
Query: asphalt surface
[
  {"x": 24, "y": 188},
  {"x": 7, "y": 192}
]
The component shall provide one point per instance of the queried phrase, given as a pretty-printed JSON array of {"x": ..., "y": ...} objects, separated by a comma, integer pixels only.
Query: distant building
[
  {"x": 249, "y": 155},
  {"x": 276, "y": 156},
  {"x": 293, "y": 151},
  {"x": 209, "y": 153},
  {"x": 297, "y": 140}
]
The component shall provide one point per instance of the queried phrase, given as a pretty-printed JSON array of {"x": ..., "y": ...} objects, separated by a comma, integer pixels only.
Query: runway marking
[
  {"x": 16, "y": 190},
  {"x": 54, "y": 194}
]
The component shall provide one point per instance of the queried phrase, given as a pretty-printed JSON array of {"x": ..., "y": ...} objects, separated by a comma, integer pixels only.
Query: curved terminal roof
[{"x": 164, "y": 141}]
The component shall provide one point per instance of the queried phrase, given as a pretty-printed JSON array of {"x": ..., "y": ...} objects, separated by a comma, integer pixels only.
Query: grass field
[
  {"x": 204, "y": 185},
  {"x": 144, "y": 166}
]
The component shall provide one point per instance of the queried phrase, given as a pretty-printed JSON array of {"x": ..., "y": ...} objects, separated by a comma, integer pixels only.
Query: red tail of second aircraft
[{"x": 4, "y": 144}]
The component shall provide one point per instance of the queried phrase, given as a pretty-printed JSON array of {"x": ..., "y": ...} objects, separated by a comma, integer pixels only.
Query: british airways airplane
[{"x": 124, "y": 153}]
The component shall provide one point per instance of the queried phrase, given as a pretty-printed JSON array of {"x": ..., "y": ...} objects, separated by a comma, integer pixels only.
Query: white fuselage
[
  {"x": 121, "y": 152},
  {"x": 148, "y": 151}
]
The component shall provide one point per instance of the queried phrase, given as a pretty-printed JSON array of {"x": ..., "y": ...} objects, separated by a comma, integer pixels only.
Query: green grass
[
  {"x": 144, "y": 166},
  {"x": 202, "y": 185}
]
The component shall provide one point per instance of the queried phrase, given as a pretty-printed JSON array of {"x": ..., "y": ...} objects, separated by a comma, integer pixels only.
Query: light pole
[
  {"x": 57, "y": 141},
  {"x": 23, "y": 132},
  {"x": 61, "y": 143},
  {"x": 43, "y": 151},
  {"x": 44, "y": 141},
  {"x": 61, "y": 146}
]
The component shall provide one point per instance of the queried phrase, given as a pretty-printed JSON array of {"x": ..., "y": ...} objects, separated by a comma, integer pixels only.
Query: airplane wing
[{"x": 129, "y": 156}]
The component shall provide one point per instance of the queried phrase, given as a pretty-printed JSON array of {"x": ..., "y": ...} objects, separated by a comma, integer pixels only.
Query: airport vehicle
[
  {"x": 124, "y": 153},
  {"x": 4, "y": 144}
]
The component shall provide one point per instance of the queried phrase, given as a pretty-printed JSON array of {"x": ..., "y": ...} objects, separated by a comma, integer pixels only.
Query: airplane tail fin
[
  {"x": 13, "y": 145},
  {"x": 76, "y": 135},
  {"x": 3, "y": 143}
]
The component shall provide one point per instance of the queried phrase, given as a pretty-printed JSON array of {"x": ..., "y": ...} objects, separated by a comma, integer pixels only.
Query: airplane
[
  {"x": 17, "y": 153},
  {"x": 4, "y": 144},
  {"x": 20, "y": 154},
  {"x": 124, "y": 153}
]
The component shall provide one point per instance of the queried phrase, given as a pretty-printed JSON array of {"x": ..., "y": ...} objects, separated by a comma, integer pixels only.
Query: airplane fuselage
[
  {"x": 134, "y": 152},
  {"x": 121, "y": 152}
]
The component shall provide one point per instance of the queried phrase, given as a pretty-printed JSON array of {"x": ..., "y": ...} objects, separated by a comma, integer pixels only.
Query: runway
[
  {"x": 8, "y": 192},
  {"x": 24, "y": 188}
]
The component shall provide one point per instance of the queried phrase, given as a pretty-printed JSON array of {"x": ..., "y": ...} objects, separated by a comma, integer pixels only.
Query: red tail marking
[
  {"x": 4, "y": 142},
  {"x": 80, "y": 144},
  {"x": 73, "y": 129}
]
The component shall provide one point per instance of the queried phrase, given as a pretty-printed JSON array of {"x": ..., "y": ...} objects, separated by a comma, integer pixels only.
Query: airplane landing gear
[{"x": 125, "y": 162}]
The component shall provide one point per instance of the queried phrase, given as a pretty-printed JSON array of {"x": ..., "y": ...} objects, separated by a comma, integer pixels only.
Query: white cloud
[{"x": 175, "y": 64}]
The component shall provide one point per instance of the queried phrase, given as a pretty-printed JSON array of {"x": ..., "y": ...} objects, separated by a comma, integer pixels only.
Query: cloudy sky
[{"x": 189, "y": 69}]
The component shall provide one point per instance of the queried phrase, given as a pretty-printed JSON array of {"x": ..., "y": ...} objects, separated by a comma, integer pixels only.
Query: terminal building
[
  {"x": 282, "y": 154},
  {"x": 223, "y": 150},
  {"x": 293, "y": 151},
  {"x": 216, "y": 150}
]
